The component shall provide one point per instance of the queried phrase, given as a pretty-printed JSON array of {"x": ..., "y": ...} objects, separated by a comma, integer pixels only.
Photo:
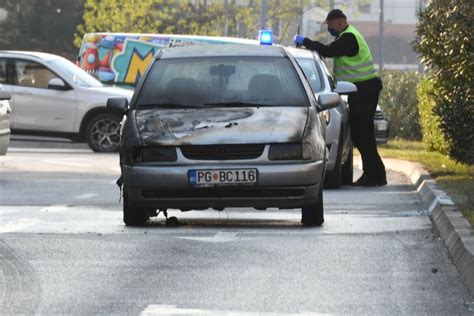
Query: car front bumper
[{"x": 279, "y": 185}]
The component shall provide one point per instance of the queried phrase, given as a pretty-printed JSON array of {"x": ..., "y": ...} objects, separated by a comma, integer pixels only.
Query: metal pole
[
  {"x": 381, "y": 36},
  {"x": 263, "y": 15}
]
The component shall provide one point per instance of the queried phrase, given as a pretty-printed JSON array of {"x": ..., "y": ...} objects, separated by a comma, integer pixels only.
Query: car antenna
[{"x": 298, "y": 32}]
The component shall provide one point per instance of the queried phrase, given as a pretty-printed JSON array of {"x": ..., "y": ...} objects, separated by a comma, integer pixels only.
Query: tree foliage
[
  {"x": 433, "y": 136},
  {"x": 199, "y": 17},
  {"x": 131, "y": 16},
  {"x": 445, "y": 42},
  {"x": 40, "y": 25},
  {"x": 400, "y": 103}
]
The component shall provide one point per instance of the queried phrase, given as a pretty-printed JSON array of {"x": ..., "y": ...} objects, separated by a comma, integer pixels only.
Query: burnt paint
[{"x": 202, "y": 126}]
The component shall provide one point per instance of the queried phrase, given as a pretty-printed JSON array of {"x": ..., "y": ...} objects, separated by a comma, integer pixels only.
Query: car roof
[
  {"x": 222, "y": 50},
  {"x": 40, "y": 55},
  {"x": 301, "y": 52}
]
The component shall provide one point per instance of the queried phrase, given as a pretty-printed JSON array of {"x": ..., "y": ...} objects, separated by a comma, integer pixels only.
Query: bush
[
  {"x": 445, "y": 41},
  {"x": 399, "y": 102},
  {"x": 433, "y": 136}
]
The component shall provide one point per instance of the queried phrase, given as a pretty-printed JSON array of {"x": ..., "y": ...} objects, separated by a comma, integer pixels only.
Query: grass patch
[{"x": 454, "y": 178}]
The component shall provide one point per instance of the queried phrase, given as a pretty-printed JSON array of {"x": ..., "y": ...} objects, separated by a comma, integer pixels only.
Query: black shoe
[{"x": 368, "y": 182}]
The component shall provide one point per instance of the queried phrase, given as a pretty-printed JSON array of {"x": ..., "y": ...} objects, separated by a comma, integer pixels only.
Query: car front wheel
[
  {"x": 313, "y": 215},
  {"x": 133, "y": 215},
  {"x": 103, "y": 133}
]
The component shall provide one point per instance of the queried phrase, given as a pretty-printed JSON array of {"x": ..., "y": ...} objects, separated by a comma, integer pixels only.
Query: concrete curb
[{"x": 455, "y": 231}]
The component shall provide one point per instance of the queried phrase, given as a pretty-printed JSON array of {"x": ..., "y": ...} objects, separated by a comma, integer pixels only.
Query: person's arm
[{"x": 345, "y": 45}]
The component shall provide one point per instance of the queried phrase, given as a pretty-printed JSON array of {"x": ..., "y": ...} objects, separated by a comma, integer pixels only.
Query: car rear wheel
[
  {"x": 133, "y": 215},
  {"x": 313, "y": 215},
  {"x": 103, "y": 132},
  {"x": 348, "y": 169}
]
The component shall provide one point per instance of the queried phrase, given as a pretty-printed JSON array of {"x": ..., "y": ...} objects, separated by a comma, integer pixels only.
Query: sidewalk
[{"x": 455, "y": 231}]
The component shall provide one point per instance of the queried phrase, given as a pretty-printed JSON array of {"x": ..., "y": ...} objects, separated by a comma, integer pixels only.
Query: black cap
[{"x": 335, "y": 14}]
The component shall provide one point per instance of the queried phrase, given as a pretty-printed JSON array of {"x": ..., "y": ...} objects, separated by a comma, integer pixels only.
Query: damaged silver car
[{"x": 221, "y": 126}]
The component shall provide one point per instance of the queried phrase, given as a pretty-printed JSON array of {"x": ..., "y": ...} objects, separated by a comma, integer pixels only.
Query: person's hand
[{"x": 298, "y": 39}]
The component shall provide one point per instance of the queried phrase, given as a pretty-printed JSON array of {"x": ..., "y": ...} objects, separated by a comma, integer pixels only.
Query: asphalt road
[{"x": 65, "y": 250}]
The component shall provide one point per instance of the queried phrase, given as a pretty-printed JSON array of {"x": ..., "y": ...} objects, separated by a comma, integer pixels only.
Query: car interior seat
[
  {"x": 181, "y": 90},
  {"x": 265, "y": 87},
  {"x": 28, "y": 79}
]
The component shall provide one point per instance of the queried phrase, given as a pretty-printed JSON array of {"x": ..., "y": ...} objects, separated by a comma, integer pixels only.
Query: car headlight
[
  {"x": 290, "y": 151},
  {"x": 154, "y": 154}
]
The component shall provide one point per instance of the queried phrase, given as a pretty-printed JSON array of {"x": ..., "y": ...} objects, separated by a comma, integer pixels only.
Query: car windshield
[
  {"x": 74, "y": 73},
  {"x": 311, "y": 72},
  {"x": 221, "y": 82}
]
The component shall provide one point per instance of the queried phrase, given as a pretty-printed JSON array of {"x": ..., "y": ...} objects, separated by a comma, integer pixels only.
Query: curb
[{"x": 455, "y": 231}]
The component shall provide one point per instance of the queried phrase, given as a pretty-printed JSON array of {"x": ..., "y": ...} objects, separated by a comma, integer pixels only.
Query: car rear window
[{"x": 219, "y": 81}]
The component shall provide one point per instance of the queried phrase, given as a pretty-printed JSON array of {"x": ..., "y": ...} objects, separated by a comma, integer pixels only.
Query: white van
[{"x": 121, "y": 58}]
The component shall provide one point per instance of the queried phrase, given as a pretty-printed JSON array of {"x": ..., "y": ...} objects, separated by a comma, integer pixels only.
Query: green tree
[
  {"x": 133, "y": 16},
  {"x": 445, "y": 42},
  {"x": 40, "y": 25}
]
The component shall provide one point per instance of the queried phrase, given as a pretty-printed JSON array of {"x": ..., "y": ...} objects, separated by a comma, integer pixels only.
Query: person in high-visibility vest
[{"x": 353, "y": 63}]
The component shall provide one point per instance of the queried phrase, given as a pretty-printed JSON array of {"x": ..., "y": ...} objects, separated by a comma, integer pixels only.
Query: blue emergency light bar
[{"x": 265, "y": 37}]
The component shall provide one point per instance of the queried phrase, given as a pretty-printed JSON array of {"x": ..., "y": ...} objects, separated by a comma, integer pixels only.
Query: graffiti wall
[{"x": 122, "y": 59}]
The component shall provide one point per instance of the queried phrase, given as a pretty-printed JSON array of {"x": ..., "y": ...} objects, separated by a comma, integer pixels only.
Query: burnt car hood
[{"x": 206, "y": 126}]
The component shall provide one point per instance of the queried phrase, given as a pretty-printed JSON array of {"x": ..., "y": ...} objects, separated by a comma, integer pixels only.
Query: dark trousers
[{"x": 362, "y": 106}]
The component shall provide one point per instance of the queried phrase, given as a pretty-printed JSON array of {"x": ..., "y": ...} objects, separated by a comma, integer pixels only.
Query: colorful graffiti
[{"x": 123, "y": 58}]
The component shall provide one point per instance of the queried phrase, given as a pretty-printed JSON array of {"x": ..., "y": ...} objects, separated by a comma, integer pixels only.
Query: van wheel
[
  {"x": 313, "y": 215},
  {"x": 133, "y": 215},
  {"x": 103, "y": 133},
  {"x": 348, "y": 169}
]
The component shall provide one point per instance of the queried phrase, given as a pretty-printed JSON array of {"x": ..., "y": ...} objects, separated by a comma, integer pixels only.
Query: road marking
[
  {"x": 18, "y": 225},
  {"x": 152, "y": 310},
  {"x": 47, "y": 150},
  {"x": 218, "y": 237},
  {"x": 73, "y": 164},
  {"x": 85, "y": 196},
  {"x": 54, "y": 208}
]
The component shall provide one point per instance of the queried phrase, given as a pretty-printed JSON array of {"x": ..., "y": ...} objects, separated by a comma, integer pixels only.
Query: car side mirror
[
  {"x": 345, "y": 87},
  {"x": 118, "y": 105},
  {"x": 5, "y": 95},
  {"x": 328, "y": 100},
  {"x": 57, "y": 84}
]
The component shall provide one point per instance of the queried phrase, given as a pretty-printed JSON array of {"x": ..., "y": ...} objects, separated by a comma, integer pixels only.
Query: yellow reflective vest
[{"x": 357, "y": 68}]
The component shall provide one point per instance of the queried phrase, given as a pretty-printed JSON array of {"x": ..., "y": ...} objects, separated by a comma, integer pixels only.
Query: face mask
[{"x": 333, "y": 32}]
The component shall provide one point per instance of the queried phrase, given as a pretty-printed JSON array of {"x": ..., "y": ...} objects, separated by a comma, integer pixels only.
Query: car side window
[
  {"x": 33, "y": 74},
  {"x": 332, "y": 82},
  {"x": 3, "y": 70}
]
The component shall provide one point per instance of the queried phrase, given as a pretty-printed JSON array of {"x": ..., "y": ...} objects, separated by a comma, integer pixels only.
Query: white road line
[
  {"x": 218, "y": 237},
  {"x": 73, "y": 164},
  {"x": 54, "y": 208},
  {"x": 47, "y": 150},
  {"x": 85, "y": 196},
  {"x": 18, "y": 225},
  {"x": 152, "y": 310}
]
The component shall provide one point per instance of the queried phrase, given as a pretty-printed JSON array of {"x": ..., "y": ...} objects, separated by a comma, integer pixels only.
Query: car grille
[
  {"x": 222, "y": 152},
  {"x": 224, "y": 192}
]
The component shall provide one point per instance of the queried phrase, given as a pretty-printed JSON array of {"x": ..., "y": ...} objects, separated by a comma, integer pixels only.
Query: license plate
[{"x": 221, "y": 177}]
